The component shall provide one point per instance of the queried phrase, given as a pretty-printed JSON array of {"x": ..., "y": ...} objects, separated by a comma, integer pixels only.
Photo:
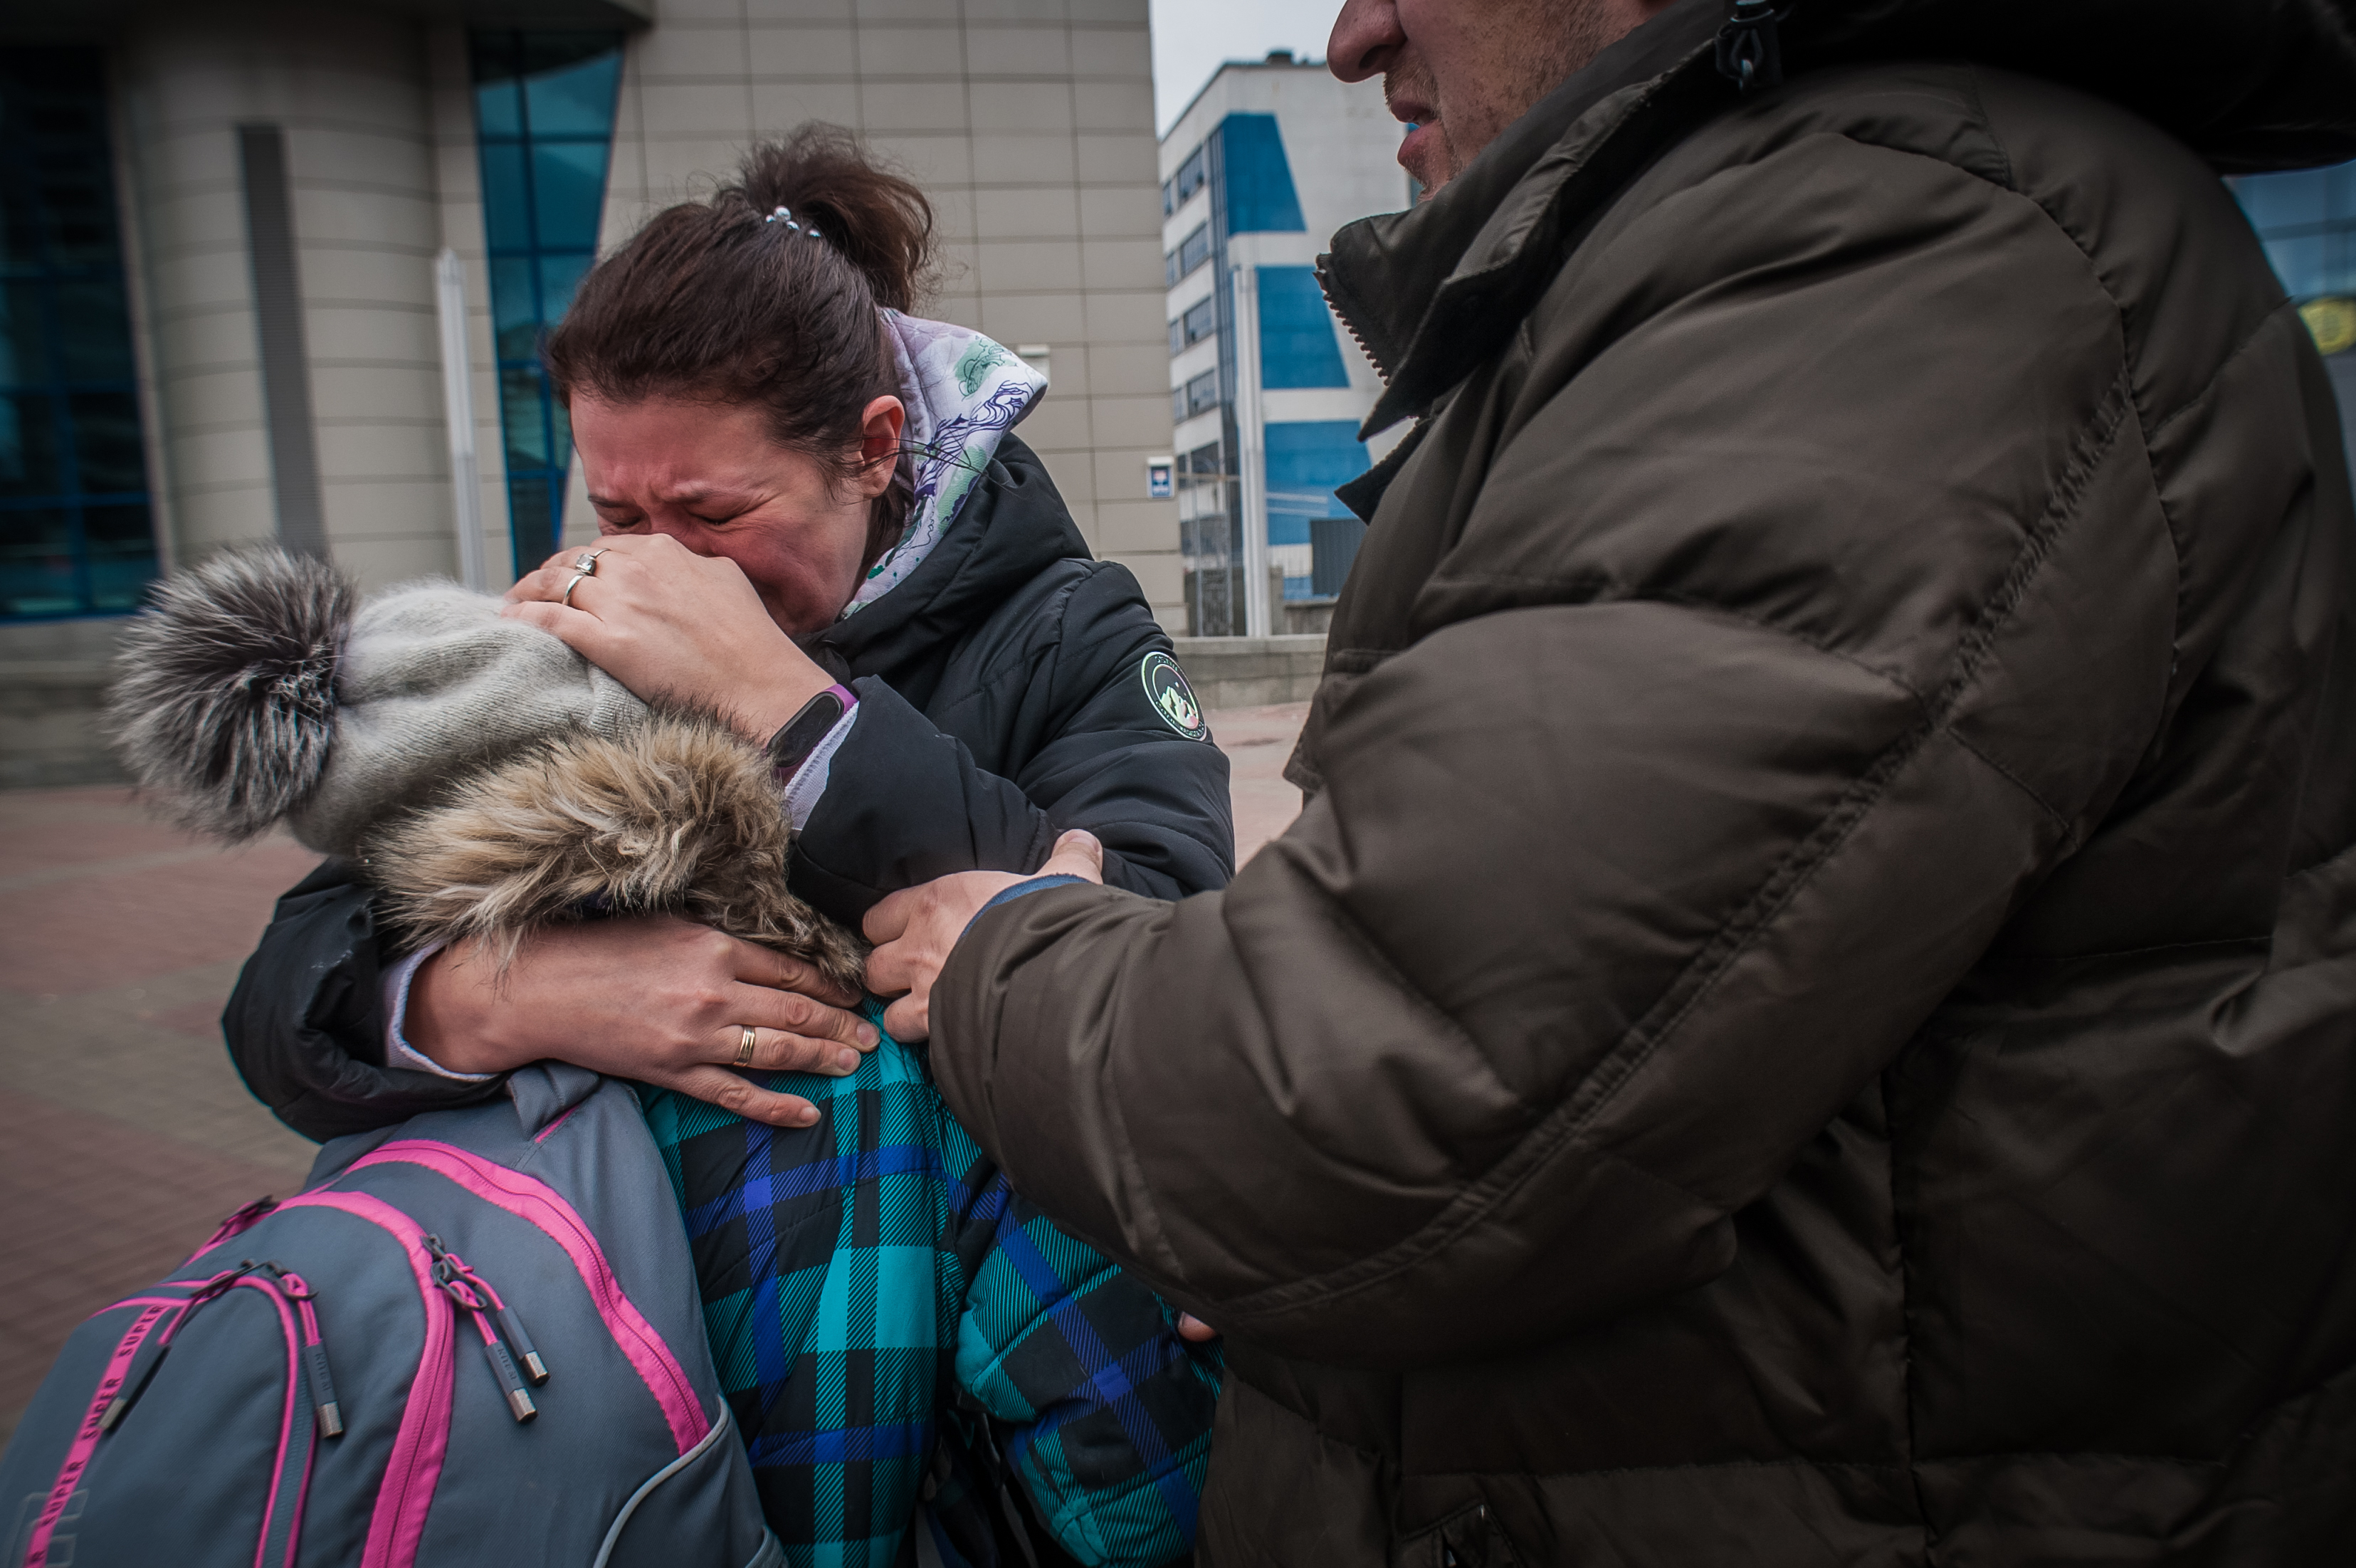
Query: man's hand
[
  {"x": 656, "y": 999},
  {"x": 914, "y": 929}
]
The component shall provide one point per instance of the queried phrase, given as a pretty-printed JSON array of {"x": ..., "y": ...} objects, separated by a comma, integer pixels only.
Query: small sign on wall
[{"x": 1158, "y": 484}]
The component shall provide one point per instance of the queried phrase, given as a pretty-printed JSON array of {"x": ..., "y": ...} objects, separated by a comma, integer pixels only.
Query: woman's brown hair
[{"x": 726, "y": 301}]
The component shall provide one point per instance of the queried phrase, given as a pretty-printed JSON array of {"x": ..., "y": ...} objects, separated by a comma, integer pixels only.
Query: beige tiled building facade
[{"x": 242, "y": 208}]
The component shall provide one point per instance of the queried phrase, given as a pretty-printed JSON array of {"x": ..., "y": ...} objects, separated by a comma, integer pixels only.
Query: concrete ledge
[
  {"x": 48, "y": 724},
  {"x": 1248, "y": 672}
]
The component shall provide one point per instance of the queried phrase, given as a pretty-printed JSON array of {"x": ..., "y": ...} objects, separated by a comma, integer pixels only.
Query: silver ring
[
  {"x": 565, "y": 598},
  {"x": 745, "y": 1051},
  {"x": 587, "y": 561}
]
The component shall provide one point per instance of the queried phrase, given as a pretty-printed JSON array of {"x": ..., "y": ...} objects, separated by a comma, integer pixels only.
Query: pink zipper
[
  {"x": 325, "y": 1409},
  {"x": 85, "y": 1443},
  {"x": 236, "y": 1224},
  {"x": 422, "y": 1443},
  {"x": 423, "y": 1440},
  {"x": 285, "y": 1425},
  {"x": 538, "y": 1203},
  {"x": 95, "y": 1425}
]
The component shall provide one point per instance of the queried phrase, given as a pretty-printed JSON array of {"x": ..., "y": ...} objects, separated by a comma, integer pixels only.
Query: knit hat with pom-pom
[{"x": 261, "y": 688}]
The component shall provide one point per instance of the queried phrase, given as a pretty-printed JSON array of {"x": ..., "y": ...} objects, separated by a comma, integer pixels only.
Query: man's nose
[{"x": 1366, "y": 35}]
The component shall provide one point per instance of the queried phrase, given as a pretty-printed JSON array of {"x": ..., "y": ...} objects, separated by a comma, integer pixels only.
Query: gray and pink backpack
[{"x": 473, "y": 1338}]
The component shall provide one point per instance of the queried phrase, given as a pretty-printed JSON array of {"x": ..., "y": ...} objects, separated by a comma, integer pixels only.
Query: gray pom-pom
[{"x": 225, "y": 701}]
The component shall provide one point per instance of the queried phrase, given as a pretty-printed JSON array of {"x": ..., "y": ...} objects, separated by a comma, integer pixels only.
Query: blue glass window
[
  {"x": 75, "y": 533},
  {"x": 1307, "y": 461},
  {"x": 1201, "y": 320},
  {"x": 1191, "y": 175},
  {"x": 1198, "y": 323},
  {"x": 1260, "y": 197},
  {"x": 1192, "y": 252},
  {"x": 2307, "y": 219},
  {"x": 544, "y": 119},
  {"x": 1296, "y": 345}
]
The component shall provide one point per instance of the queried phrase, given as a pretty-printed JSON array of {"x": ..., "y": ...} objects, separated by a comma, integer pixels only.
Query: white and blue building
[{"x": 1267, "y": 390}]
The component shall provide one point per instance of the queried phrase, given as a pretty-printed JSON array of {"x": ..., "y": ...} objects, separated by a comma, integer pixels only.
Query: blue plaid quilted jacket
[{"x": 890, "y": 1320}]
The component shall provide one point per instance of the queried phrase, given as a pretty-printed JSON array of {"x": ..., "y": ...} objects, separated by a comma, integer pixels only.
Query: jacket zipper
[{"x": 1325, "y": 287}]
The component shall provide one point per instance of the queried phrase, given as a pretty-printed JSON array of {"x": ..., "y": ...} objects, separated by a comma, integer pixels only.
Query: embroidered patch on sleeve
[{"x": 1166, "y": 689}]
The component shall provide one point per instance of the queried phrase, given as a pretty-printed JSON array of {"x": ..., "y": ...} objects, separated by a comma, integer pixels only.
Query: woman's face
[{"x": 709, "y": 476}]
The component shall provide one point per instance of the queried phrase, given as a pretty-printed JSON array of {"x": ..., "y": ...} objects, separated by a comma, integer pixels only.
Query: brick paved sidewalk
[{"x": 124, "y": 1133}]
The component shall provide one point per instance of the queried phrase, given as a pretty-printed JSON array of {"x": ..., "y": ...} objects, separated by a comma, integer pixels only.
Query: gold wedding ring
[{"x": 745, "y": 1051}]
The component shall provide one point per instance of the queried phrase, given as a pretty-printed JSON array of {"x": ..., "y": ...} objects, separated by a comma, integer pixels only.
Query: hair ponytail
[
  {"x": 881, "y": 224},
  {"x": 714, "y": 301}
]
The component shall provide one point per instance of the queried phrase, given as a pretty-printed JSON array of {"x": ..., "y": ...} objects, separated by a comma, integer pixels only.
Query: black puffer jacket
[
  {"x": 1001, "y": 701},
  {"x": 1812, "y": 1019}
]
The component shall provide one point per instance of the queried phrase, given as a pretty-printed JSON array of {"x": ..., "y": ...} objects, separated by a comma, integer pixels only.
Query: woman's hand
[
  {"x": 914, "y": 929},
  {"x": 657, "y": 999},
  {"x": 667, "y": 622}
]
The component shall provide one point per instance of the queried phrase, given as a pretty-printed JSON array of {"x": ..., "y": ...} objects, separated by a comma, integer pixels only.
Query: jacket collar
[
  {"x": 1012, "y": 526},
  {"x": 963, "y": 393},
  {"x": 1434, "y": 292}
]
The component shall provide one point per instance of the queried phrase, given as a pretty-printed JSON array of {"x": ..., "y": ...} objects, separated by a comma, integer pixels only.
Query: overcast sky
[{"x": 1191, "y": 37}]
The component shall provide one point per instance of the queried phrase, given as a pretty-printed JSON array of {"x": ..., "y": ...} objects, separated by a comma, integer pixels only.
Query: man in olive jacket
[{"x": 1810, "y": 1016}]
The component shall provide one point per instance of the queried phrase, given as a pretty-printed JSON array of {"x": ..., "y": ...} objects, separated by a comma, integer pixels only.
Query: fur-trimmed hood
[
  {"x": 487, "y": 777},
  {"x": 674, "y": 815}
]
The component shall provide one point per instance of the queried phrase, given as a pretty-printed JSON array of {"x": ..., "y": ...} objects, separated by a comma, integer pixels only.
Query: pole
[
  {"x": 1251, "y": 439},
  {"x": 458, "y": 414}
]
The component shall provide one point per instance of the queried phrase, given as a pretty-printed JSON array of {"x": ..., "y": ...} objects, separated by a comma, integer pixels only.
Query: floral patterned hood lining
[{"x": 963, "y": 394}]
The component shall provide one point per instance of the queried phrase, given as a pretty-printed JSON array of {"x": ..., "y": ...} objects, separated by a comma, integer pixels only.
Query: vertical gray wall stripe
[{"x": 278, "y": 317}]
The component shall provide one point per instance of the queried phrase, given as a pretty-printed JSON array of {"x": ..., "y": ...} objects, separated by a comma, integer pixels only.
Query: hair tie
[{"x": 787, "y": 214}]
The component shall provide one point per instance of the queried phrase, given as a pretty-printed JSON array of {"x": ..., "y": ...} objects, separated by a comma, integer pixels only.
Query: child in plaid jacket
[
  {"x": 888, "y": 1316},
  {"x": 898, "y": 1334}
]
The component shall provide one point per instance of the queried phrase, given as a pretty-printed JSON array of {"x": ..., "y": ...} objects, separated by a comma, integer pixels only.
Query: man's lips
[{"x": 1413, "y": 145}]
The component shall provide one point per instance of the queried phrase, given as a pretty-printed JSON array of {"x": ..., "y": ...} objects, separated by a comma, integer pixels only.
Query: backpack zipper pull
[
  {"x": 324, "y": 1404},
  {"x": 510, "y": 1321},
  {"x": 136, "y": 1384},
  {"x": 459, "y": 1282},
  {"x": 161, "y": 1343},
  {"x": 503, "y": 1367},
  {"x": 534, "y": 1368}
]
